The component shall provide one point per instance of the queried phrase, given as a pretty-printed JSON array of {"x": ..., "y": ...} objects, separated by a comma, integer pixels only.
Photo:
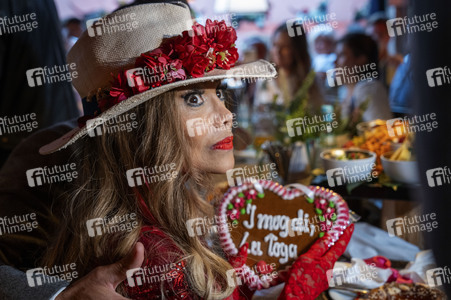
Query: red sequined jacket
[{"x": 162, "y": 271}]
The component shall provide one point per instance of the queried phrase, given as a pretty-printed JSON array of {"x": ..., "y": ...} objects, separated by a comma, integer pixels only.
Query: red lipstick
[{"x": 225, "y": 144}]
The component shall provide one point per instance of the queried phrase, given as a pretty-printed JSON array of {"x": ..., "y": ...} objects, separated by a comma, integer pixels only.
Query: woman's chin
[{"x": 222, "y": 167}]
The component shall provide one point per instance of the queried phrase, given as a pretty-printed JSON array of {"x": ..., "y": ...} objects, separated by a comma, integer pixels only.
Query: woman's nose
[{"x": 223, "y": 119}]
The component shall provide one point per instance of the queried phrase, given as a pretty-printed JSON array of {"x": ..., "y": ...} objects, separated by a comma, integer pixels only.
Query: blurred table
[{"x": 403, "y": 192}]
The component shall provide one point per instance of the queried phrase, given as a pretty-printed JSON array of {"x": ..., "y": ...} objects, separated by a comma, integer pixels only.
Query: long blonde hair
[{"x": 103, "y": 191}]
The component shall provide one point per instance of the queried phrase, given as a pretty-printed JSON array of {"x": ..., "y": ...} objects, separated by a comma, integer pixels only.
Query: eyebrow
[{"x": 192, "y": 91}]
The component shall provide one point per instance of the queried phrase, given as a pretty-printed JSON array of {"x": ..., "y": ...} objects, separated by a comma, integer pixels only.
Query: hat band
[{"x": 189, "y": 55}]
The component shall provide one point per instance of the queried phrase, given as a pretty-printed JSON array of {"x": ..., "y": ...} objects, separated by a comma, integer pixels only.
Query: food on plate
[
  {"x": 379, "y": 140},
  {"x": 404, "y": 291},
  {"x": 346, "y": 154},
  {"x": 405, "y": 151}
]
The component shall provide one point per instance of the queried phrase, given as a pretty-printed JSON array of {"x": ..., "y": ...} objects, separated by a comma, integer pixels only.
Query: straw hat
[{"x": 117, "y": 50}]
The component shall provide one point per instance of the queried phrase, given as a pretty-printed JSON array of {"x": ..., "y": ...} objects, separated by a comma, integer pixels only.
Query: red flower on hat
[
  {"x": 176, "y": 71},
  {"x": 223, "y": 41},
  {"x": 191, "y": 54},
  {"x": 196, "y": 65},
  {"x": 120, "y": 90}
]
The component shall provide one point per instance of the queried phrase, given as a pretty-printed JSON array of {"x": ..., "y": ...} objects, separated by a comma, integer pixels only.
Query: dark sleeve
[
  {"x": 19, "y": 246},
  {"x": 14, "y": 286},
  {"x": 24, "y": 50},
  {"x": 432, "y": 50}
]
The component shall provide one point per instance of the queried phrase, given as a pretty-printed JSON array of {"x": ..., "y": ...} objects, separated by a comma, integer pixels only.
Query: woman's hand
[
  {"x": 101, "y": 283},
  {"x": 307, "y": 278}
]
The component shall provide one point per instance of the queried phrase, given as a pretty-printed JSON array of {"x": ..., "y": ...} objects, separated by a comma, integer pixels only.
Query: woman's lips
[{"x": 225, "y": 144}]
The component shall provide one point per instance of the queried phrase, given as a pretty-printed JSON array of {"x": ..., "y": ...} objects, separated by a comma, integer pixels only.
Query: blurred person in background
[
  {"x": 72, "y": 30},
  {"x": 324, "y": 51},
  {"x": 292, "y": 59},
  {"x": 358, "y": 51},
  {"x": 24, "y": 50},
  {"x": 323, "y": 48},
  {"x": 401, "y": 88},
  {"x": 377, "y": 29},
  {"x": 256, "y": 49}
]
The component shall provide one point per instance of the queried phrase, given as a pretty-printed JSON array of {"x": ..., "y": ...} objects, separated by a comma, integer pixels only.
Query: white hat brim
[{"x": 259, "y": 69}]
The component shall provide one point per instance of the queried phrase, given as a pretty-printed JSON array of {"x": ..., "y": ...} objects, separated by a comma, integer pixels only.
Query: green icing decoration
[
  {"x": 248, "y": 201},
  {"x": 230, "y": 206},
  {"x": 321, "y": 234},
  {"x": 333, "y": 217},
  {"x": 235, "y": 222},
  {"x": 331, "y": 204},
  {"x": 241, "y": 195},
  {"x": 260, "y": 195},
  {"x": 318, "y": 211},
  {"x": 322, "y": 219},
  {"x": 243, "y": 211},
  {"x": 309, "y": 200}
]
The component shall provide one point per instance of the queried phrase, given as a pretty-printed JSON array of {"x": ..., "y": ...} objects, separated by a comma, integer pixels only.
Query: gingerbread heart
[{"x": 278, "y": 223}]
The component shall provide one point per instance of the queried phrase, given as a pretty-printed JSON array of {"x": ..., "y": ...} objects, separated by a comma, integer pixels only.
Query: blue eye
[
  {"x": 221, "y": 94},
  {"x": 194, "y": 99}
]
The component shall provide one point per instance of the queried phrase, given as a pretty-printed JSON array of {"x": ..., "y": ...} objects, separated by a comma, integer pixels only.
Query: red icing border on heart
[{"x": 341, "y": 223}]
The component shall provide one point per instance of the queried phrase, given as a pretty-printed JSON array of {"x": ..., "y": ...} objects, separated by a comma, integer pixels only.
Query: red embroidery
[{"x": 161, "y": 273}]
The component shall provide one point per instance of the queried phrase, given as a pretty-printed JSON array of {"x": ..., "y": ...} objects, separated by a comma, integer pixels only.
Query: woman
[
  {"x": 290, "y": 54},
  {"x": 185, "y": 70},
  {"x": 357, "y": 53}
]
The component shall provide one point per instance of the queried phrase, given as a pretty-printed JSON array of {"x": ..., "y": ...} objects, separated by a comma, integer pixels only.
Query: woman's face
[
  {"x": 324, "y": 45},
  {"x": 345, "y": 57},
  {"x": 208, "y": 124},
  {"x": 282, "y": 51}
]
